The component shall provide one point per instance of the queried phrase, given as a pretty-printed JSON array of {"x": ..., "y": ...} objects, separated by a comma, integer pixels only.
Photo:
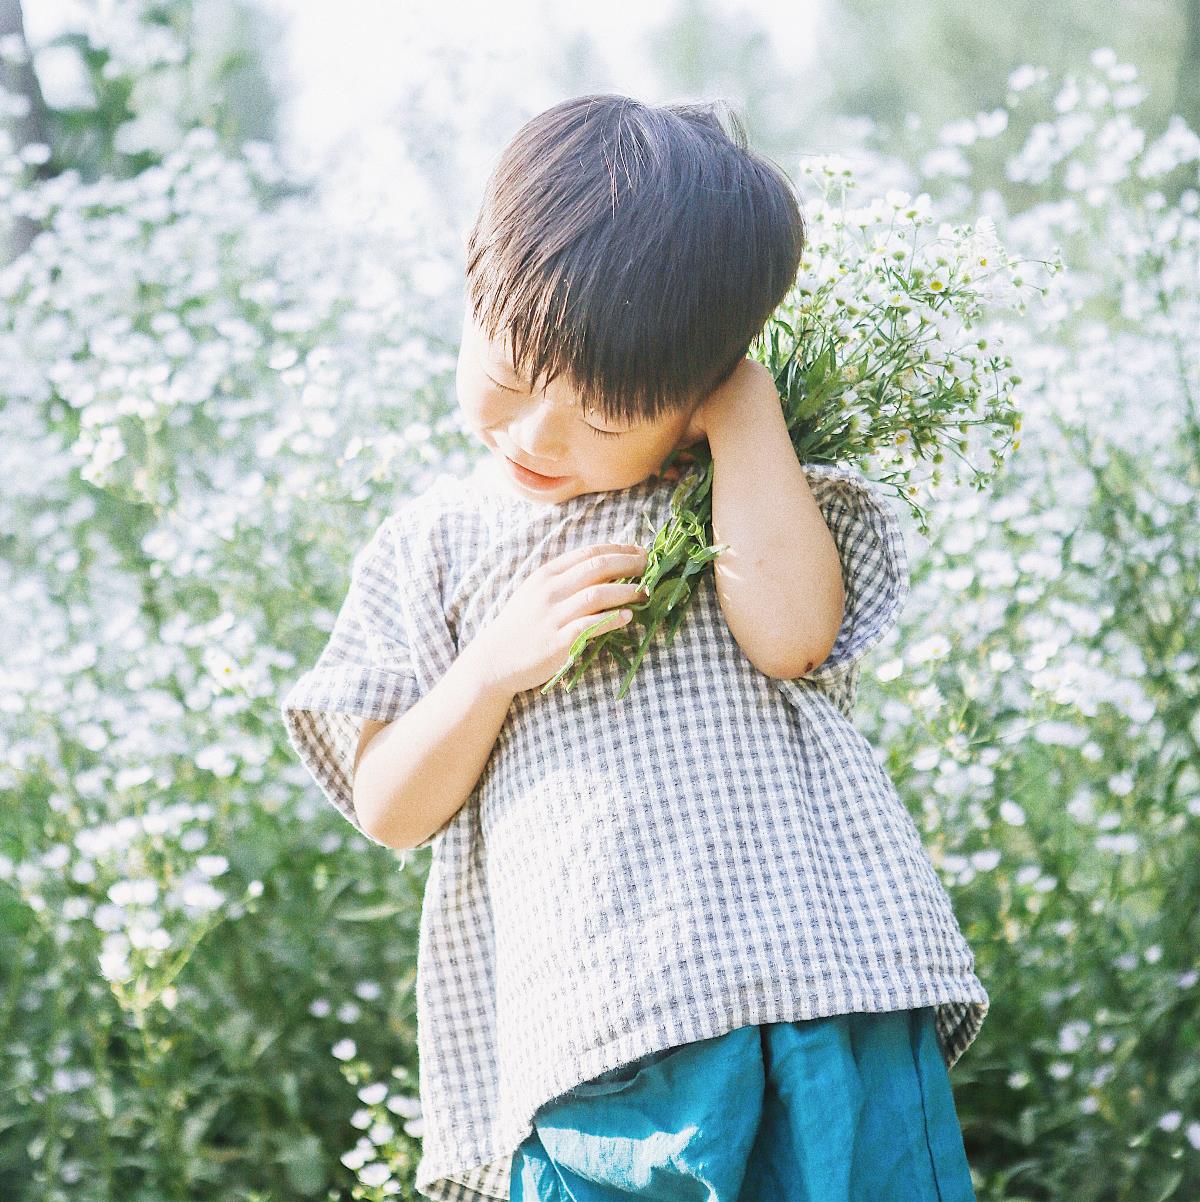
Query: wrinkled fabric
[
  {"x": 853, "y": 1108},
  {"x": 716, "y": 849}
]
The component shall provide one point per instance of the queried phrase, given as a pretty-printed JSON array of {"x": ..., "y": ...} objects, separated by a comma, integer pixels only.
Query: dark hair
[{"x": 638, "y": 249}]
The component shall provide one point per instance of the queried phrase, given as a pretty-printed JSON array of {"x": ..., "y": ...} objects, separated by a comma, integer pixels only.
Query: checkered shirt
[{"x": 717, "y": 849}]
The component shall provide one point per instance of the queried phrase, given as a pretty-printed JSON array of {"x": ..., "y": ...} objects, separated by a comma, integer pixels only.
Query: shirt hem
[{"x": 961, "y": 1005}]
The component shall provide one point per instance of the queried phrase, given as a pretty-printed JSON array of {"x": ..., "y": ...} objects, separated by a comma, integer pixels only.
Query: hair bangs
[{"x": 634, "y": 250}]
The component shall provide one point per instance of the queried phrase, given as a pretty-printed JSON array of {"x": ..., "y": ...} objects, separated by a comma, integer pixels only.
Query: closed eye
[{"x": 594, "y": 429}]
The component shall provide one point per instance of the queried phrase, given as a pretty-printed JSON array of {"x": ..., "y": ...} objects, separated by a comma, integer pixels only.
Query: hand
[
  {"x": 745, "y": 384},
  {"x": 531, "y": 637}
]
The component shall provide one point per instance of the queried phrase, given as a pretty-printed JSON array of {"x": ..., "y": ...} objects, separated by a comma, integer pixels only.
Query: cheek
[
  {"x": 488, "y": 407},
  {"x": 621, "y": 457},
  {"x": 479, "y": 403}
]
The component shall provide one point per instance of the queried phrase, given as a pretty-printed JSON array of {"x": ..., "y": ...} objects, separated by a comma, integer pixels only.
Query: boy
[{"x": 712, "y": 881}]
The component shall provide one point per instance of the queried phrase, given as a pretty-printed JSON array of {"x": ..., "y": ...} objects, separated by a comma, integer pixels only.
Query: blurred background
[{"x": 231, "y": 288}]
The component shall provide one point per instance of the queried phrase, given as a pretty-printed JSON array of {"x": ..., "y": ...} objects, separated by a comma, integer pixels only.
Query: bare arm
[
  {"x": 412, "y": 775},
  {"x": 780, "y": 581}
]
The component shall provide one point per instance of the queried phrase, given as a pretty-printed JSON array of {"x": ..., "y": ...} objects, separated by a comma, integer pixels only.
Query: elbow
[
  {"x": 797, "y": 662},
  {"x": 387, "y": 837},
  {"x": 794, "y": 659},
  {"x": 372, "y": 821},
  {"x": 791, "y": 658},
  {"x": 785, "y": 659}
]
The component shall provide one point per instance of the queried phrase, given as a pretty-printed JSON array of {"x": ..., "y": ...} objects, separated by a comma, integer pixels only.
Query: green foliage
[
  {"x": 206, "y": 976},
  {"x": 874, "y": 363},
  {"x": 152, "y": 70}
]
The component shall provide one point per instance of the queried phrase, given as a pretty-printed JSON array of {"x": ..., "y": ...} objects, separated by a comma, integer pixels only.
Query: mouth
[{"x": 533, "y": 479}]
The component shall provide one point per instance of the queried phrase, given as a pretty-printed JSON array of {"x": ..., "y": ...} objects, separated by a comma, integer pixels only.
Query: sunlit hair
[{"x": 635, "y": 249}]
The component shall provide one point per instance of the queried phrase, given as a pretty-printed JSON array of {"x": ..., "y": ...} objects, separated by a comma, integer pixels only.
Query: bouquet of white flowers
[{"x": 878, "y": 361}]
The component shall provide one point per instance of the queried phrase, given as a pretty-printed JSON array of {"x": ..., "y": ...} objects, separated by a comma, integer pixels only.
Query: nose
[{"x": 535, "y": 438}]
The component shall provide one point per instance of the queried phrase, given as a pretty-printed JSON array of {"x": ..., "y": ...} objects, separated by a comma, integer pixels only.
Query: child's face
[{"x": 549, "y": 432}]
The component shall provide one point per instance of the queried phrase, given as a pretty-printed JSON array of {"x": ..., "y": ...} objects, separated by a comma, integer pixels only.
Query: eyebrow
[
  {"x": 496, "y": 359},
  {"x": 500, "y": 362}
]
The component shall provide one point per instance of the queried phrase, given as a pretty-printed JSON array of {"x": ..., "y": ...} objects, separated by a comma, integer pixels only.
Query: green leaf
[
  {"x": 821, "y": 368},
  {"x": 1168, "y": 1190},
  {"x": 303, "y": 1161},
  {"x": 196, "y": 1123},
  {"x": 370, "y": 913}
]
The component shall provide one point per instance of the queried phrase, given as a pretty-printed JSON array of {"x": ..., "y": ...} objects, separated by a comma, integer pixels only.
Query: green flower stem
[{"x": 840, "y": 385}]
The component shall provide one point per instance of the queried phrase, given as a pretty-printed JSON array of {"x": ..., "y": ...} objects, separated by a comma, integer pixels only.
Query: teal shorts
[{"x": 849, "y": 1108}]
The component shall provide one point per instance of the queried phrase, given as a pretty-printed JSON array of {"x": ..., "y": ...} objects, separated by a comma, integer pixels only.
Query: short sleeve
[
  {"x": 875, "y": 573},
  {"x": 389, "y": 644}
]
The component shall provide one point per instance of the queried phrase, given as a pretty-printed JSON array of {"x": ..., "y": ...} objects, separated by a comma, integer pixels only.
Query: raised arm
[{"x": 780, "y": 581}]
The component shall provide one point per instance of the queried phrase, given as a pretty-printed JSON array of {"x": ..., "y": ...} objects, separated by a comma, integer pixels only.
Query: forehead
[
  {"x": 493, "y": 346},
  {"x": 496, "y": 351}
]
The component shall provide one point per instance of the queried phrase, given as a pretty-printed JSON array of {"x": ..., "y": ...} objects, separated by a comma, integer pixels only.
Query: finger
[
  {"x": 613, "y": 620},
  {"x": 594, "y": 594},
  {"x": 576, "y": 555},
  {"x": 593, "y": 598},
  {"x": 571, "y": 584}
]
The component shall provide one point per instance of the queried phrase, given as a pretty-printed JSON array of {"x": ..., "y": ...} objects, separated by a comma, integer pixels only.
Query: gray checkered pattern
[{"x": 718, "y": 849}]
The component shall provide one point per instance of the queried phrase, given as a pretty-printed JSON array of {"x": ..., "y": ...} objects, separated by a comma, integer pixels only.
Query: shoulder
[
  {"x": 440, "y": 535},
  {"x": 866, "y": 527},
  {"x": 445, "y": 504},
  {"x": 843, "y": 492},
  {"x": 829, "y": 478}
]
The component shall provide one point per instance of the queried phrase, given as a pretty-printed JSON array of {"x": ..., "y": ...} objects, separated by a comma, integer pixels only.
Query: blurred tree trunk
[{"x": 31, "y": 126}]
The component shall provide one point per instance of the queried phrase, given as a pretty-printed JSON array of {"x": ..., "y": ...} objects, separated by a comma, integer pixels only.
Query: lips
[
  {"x": 533, "y": 471},
  {"x": 532, "y": 479}
]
